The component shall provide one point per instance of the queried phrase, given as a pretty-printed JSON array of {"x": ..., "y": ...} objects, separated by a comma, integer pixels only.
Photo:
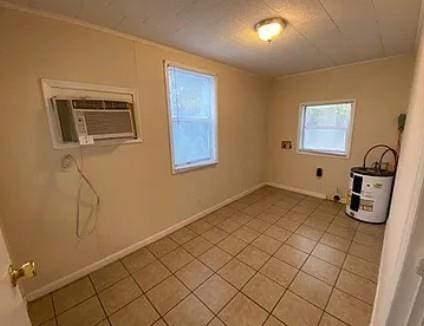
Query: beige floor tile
[
  {"x": 321, "y": 270},
  {"x": 320, "y": 216},
  {"x": 197, "y": 246},
  {"x": 215, "y": 235},
  {"x": 272, "y": 321},
  {"x": 296, "y": 217},
  {"x": 278, "y": 271},
  {"x": 309, "y": 232},
  {"x": 232, "y": 245},
  {"x": 183, "y": 235},
  {"x": 243, "y": 311},
  {"x": 328, "y": 320},
  {"x": 216, "y": 322},
  {"x": 87, "y": 313},
  {"x": 301, "y": 243},
  {"x": 368, "y": 240},
  {"x": 41, "y": 310},
  {"x": 263, "y": 291},
  {"x": 349, "y": 309},
  {"x": 215, "y": 292},
  {"x": 278, "y": 233},
  {"x": 162, "y": 246},
  {"x": 119, "y": 295},
  {"x": 275, "y": 210},
  {"x": 258, "y": 225},
  {"x": 335, "y": 242},
  {"x": 253, "y": 257},
  {"x": 269, "y": 217},
  {"x": 176, "y": 259},
  {"x": 151, "y": 275},
  {"x": 288, "y": 224},
  {"x": 189, "y": 312},
  {"x": 236, "y": 273},
  {"x": 302, "y": 209},
  {"x": 215, "y": 258},
  {"x": 138, "y": 313},
  {"x": 228, "y": 226},
  {"x": 311, "y": 289},
  {"x": 357, "y": 286},
  {"x": 246, "y": 234},
  {"x": 241, "y": 218},
  {"x": 340, "y": 231},
  {"x": 369, "y": 254},
  {"x": 225, "y": 211},
  {"x": 372, "y": 229},
  {"x": 72, "y": 294},
  {"x": 213, "y": 218},
  {"x": 160, "y": 322},
  {"x": 317, "y": 224},
  {"x": 361, "y": 267},
  {"x": 330, "y": 255},
  {"x": 194, "y": 274},
  {"x": 167, "y": 294},
  {"x": 200, "y": 226},
  {"x": 108, "y": 275},
  {"x": 52, "y": 322},
  {"x": 254, "y": 209},
  {"x": 291, "y": 256},
  {"x": 138, "y": 260},
  {"x": 293, "y": 310},
  {"x": 267, "y": 244},
  {"x": 346, "y": 221}
]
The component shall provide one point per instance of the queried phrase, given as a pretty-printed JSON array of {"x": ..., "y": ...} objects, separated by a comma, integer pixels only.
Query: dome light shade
[{"x": 268, "y": 29}]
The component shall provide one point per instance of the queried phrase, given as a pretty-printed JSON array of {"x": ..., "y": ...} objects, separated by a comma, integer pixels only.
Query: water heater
[{"x": 370, "y": 190}]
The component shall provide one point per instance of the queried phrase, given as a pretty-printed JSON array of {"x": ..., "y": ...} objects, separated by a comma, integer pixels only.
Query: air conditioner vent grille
[{"x": 102, "y": 123}]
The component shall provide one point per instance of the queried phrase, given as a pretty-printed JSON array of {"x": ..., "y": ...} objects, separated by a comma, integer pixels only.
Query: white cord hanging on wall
[{"x": 67, "y": 162}]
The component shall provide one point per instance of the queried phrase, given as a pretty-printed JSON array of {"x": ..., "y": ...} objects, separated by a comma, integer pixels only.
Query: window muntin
[
  {"x": 192, "y": 117},
  {"x": 325, "y": 128}
]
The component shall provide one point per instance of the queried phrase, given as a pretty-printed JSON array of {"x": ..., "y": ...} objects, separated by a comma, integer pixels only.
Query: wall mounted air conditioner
[{"x": 87, "y": 114}]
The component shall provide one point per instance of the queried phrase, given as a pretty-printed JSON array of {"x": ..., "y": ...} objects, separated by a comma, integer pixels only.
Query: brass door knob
[{"x": 27, "y": 270}]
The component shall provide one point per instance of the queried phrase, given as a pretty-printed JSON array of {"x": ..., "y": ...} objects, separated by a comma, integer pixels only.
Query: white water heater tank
[{"x": 369, "y": 194}]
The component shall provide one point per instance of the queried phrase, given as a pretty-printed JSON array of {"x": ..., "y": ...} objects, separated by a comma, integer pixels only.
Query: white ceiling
[{"x": 321, "y": 33}]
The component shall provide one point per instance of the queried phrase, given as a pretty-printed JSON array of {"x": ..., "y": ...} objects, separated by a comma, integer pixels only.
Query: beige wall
[
  {"x": 381, "y": 90},
  {"x": 139, "y": 195}
]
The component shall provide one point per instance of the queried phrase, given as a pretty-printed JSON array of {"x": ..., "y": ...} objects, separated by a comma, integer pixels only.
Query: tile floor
[{"x": 271, "y": 258}]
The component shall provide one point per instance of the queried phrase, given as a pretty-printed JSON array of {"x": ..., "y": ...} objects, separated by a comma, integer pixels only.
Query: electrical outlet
[{"x": 286, "y": 144}]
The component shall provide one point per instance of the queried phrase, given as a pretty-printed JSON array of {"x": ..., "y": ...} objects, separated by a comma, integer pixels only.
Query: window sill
[
  {"x": 188, "y": 168},
  {"x": 326, "y": 154}
]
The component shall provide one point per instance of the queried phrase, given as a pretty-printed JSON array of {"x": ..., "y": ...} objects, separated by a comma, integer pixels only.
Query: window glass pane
[
  {"x": 192, "y": 112},
  {"x": 192, "y": 142},
  {"x": 191, "y": 94},
  {"x": 326, "y": 127},
  {"x": 325, "y": 139}
]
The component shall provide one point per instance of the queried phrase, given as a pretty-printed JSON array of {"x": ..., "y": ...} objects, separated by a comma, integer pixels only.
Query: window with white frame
[
  {"x": 192, "y": 117},
  {"x": 326, "y": 128}
]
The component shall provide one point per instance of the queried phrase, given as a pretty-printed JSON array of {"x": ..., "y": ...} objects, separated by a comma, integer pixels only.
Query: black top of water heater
[{"x": 372, "y": 172}]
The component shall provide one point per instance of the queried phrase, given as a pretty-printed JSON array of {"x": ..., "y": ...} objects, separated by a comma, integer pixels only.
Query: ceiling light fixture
[{"x": 269, "y": 29}]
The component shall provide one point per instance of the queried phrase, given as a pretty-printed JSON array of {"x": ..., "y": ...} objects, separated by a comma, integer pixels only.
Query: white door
[{"x": 12, "y": 306}]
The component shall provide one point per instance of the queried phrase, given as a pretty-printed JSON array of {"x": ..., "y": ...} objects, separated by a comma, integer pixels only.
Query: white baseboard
[
  {"x": 57, "y": 284},
  {"x": 298, "y": 190}
]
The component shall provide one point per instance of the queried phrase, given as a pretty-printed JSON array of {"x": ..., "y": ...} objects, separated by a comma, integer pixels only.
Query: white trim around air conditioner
[
  {"x": 57, "y": 284},
  {"x": 60, "y": 88}
]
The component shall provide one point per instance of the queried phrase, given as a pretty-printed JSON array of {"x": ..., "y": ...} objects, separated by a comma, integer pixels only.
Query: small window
[
  {"x": 192, "y": 117},
  {"x": 326, "y": 128}
]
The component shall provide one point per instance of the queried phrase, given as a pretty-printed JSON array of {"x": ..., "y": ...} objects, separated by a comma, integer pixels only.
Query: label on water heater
[{"x": 367, "y": 205}]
